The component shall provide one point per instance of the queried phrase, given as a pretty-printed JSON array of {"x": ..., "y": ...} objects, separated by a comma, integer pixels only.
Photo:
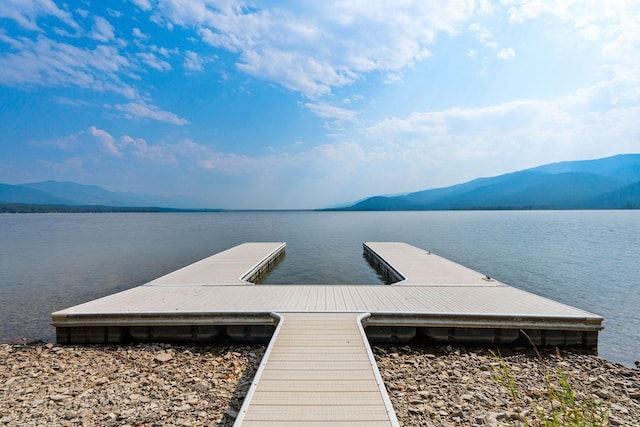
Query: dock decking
[{"x": 318, "y": 367}]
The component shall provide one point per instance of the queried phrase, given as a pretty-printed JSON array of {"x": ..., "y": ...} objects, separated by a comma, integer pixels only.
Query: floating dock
[
  {"x": 319, "y": 333},
  {"x": 433, "y": 297}
]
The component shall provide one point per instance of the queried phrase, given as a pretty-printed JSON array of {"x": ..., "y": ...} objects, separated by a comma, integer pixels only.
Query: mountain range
[
  {"x": 608, "y": 183},
  {"x": 73, "y": 194}
]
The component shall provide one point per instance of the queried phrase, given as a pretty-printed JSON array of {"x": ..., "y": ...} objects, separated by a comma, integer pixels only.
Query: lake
[{"x": 587, "y": 259}]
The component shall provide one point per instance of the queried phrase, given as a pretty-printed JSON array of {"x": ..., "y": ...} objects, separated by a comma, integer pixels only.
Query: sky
[{"x": 310, "y": 104}]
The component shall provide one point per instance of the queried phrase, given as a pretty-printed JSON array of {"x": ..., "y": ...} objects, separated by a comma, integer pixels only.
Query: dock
[{"x": 320, "y": 333}]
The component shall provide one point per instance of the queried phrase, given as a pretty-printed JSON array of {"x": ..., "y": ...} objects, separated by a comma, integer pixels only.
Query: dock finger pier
[{"x": 318, "y": 368}]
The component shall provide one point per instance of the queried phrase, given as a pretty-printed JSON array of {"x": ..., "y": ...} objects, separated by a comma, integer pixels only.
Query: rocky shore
[
  {"x": 140, "y": 385},
  {"x": 448, "y": 386},
  {"x": 164, "y": 385}
]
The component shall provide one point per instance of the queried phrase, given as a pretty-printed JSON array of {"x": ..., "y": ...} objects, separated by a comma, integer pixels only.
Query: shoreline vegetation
[
  {"x": 182, "y": 385},
  {"x": 16, "y": 208}
]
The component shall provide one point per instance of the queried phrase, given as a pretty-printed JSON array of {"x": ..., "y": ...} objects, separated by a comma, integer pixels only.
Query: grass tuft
[{"x": 559, "y": 407}]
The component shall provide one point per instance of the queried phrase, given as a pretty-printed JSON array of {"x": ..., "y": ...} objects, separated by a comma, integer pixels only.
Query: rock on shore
[{"x": 164, "y": 385}]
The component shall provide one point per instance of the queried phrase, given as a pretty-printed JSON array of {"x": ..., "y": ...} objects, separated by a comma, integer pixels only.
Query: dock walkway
[{"x": 318, "y": 370}]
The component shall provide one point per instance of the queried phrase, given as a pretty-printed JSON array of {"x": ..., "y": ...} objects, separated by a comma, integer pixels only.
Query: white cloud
[
  {"x": 140, "y": 109},
  {"x": 195, "y": 62},
  {"x": 481, "y": 31},
  {"x": 114, "y": 13},
  {"x": 187, "y": 154},
  {"x": 591, "y": 32},
  {"x": 75, "y": 102},
  {"x": 105, "y": 139},
  {"x": 159, "y": 154},
  {"x": 507, "y": 53},
  {"x": 325, "y": 44},
  {"x": 164, "y": 51},
  {"x": 84, "y": 140},
  {"x": 82, "y": 12},
  {"x": 154, "y": 62},
  {"x": 27, "y": 12},
  {"x": 332, "y": 112},
  {"x": 137, "y": 33},
  {"x": 102, "y": 30},
  {"x": 610, "y": 21},
  {"x": 143, "y": 4},
  {"x": 44, "y": 62},
  {"x": 506, "y": 137},
  {"x": 65, "y": 143}
]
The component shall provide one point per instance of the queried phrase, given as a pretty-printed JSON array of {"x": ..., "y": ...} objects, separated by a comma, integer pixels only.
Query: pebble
[
  {"x": 201, "y": 387},
  {"x": 163, "y": 357},
  {"x": 57, "y": 397}
]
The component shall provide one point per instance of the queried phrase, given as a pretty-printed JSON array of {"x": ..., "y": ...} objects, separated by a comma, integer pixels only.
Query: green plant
[
  {"x": 563, "y": 409},
  {"x": 505, "y": 378},
  {"x": 560, "y": 408}
]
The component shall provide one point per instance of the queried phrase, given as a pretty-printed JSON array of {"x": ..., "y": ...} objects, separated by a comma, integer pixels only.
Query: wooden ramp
[{"x": 318, "y": 370}]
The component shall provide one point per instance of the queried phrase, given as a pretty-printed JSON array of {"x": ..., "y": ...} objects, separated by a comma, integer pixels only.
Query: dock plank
[
  {"x": 319, "y": 413},
  {"x": 317, "y": 398}
]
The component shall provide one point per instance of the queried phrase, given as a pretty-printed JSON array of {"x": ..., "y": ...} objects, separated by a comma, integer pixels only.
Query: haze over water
[{"x": 587, "y": 259}]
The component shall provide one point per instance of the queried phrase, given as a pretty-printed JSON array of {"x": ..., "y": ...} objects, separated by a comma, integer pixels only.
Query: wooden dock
[{"x": 318, "y": 368}]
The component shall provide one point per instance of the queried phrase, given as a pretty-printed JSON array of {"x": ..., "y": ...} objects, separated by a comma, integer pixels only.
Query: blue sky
[{"x": 289, "y": 104}]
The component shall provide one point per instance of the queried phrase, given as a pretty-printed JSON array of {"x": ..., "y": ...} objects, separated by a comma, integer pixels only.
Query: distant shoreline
[
  {"x": 36, "y": 208},
  {"x": 18, "y": 208}
]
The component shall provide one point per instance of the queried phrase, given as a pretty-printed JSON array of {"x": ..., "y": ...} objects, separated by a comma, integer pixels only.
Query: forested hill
[
  {"x": 74, "y": 197},
  {"x": 609, "y": 183}
]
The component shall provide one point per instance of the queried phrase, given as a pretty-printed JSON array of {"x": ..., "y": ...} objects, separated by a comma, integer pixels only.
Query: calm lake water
[{"x": 588, "y": 259}]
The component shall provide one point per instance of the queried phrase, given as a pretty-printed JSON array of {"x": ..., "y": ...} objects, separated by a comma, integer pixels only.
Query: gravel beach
[
  {"x": 449, "y": 386},
  {"x": 165, "y": 385},
  {"x": 140, "y": 385}
]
